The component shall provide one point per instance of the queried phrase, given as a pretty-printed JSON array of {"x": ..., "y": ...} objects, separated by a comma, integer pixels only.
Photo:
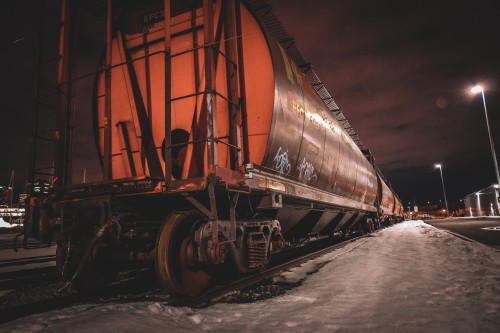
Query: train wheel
[
  {"x": 93, "y": 277},
  {"x": 174, "y": 256}
]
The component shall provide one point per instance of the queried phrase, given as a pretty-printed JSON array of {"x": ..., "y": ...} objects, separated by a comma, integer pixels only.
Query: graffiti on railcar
[
  {"x": 283, "y": 165},
  {"x": 307, "y": 174}
]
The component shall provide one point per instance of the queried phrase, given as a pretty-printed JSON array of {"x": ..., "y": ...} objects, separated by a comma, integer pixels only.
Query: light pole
[
  {"x": 444, "y": 192},
  {"x": 475, "y": 90},
  {"x": 479, "y": 210}
]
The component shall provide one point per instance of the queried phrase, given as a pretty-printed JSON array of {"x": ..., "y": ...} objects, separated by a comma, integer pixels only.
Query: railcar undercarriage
[{"x": 100, "y": 235}]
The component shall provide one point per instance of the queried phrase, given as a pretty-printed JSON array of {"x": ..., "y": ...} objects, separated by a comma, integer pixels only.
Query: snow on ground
[
  {"x": 4, "y": 224},
  {"x": 410, "y": 277}
]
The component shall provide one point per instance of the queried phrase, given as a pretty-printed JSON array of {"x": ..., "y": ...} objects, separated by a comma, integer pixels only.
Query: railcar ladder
[
  {"x": 53, "y": 107},
  {"x": 231, "y": 21}
]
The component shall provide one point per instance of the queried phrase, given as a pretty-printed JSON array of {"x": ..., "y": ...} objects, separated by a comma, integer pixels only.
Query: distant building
[
  {"x": 41, "y": 186},
  {"x": 483, "y": 202},
  {"x": 432, "y": 209},
  {"x": 22, "y": 200},
  {"x": 5, "y": 195}
]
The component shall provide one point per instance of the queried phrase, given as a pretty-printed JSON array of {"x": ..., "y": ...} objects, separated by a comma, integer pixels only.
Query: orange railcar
[{"x": 215, "y": 147}]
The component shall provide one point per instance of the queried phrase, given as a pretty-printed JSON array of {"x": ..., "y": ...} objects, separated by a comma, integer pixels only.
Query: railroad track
[
  {"x": 9, "y": 244},
  {"x": 217, "y": 292},
  {"x": 26, "y": 261},
  {"x": 29, "y": 274},
  {"x": 136, "y": 285},
  {"x": 12, "y": 280}
]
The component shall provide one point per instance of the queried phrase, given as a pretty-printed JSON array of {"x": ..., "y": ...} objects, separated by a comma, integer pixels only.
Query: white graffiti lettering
[
  {"x": 307, "y": 172},
  {"x": 282, "y": 162}
]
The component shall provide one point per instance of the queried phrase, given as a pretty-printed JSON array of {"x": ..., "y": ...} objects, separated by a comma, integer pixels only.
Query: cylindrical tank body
[
  {"x": 398, "y": 210},
  {"x": 291, "y": 132},
  {"x": 387, "y": 202}
]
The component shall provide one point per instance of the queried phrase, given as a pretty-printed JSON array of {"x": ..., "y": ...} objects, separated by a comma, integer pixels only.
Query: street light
[
  {"x": 479, "y": 210},
  {"x": 444, "y": 192},
  {"x": 475, "y": 90}
]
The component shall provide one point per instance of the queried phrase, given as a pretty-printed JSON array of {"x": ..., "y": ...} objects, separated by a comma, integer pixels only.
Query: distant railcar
[{"x": 215, "y": 149}]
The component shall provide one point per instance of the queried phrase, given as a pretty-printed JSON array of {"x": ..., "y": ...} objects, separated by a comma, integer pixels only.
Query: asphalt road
[{"x": 484, "y": 230}]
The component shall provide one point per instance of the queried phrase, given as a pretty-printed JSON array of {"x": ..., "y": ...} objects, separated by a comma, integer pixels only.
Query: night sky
[{"x": 399, "y": 70}]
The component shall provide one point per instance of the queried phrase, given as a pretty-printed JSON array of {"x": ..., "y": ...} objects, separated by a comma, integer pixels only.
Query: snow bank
[
  {"x": 411, "y": 277},
  {"x": 4, "y": 224}
]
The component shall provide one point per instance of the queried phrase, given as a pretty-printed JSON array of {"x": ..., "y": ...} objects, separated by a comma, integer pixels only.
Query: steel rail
[
  {"x": 216, "y": 292},
  {"x": 26, "y": 261}
]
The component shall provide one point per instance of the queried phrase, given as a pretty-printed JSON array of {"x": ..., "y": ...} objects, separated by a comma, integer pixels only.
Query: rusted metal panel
[
  {"x": 306, "y": 142},
  {"x": 312, "y": 146},
  {"x": 65, "y": 84},
  {"x": 259, "y": 89},
  {"x": 127, "y": 149},
  {"x": 289, "y": 217},
  {"x": 266, "y": 181},
  {"x": 187, "y": 185},
  {"x": 241, "y": 82},
  {"x": 197, "y": 84},
  {"x": 147, "y": 140},
  {"x": 349, "y": 216},
  {"x": 325, "y": 219},
  {"x": 287, "y": 126},
  {"x": 168, "y": 84},
  {"x": 341, "y": 182},
  {"x": 303, "y": 134},
  {"x": 366, "y": 182},
  {"x": 107, "y": 137},
  {"x": 398, "y": 209},
  {"x": 371, "y": 184},
  {"x": 286, "y": 129},
  {"x": 387, "y": 200},
  {"x": 355, "y": 221},
  {"x": 210, "y": 80},
  {"x": 232, "y": 85},
  {"x": 231, "y": 178},
  {"x": 331, "y": 161}
]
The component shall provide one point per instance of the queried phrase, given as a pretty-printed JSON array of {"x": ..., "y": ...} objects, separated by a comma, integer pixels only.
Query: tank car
[{"x": 215, "y": 148}]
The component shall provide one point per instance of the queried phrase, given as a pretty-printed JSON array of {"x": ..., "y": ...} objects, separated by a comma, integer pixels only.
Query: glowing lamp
[{"x": 476, "y": 89}]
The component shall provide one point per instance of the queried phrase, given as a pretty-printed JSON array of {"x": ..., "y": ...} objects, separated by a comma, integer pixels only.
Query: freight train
[{"x": 216, "y": 147}]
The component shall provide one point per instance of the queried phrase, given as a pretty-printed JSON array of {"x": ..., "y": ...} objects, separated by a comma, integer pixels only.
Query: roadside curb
[{"x": 467, "y": 239}]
